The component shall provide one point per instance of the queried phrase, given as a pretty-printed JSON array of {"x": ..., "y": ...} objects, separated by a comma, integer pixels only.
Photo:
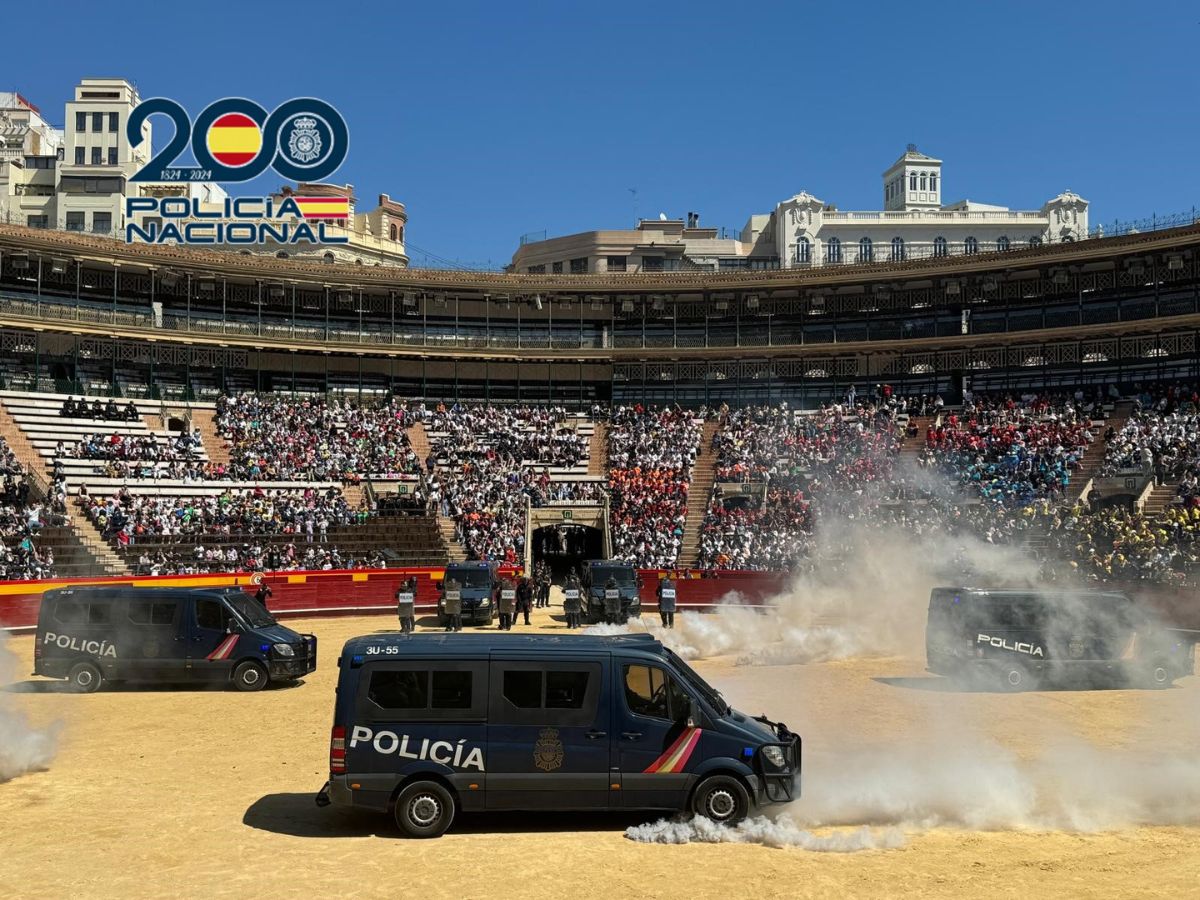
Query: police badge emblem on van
[{"x": 548, "y": 751}]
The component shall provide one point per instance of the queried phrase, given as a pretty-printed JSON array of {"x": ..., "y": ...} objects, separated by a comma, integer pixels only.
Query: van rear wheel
[
  {"x": 424, "y": 809},
  {"x": 249, "y": 676},
  {"x": 85, "y": 678},
  {"x": 1014, "y": 677},
  {"x": 721, "y": 798}
]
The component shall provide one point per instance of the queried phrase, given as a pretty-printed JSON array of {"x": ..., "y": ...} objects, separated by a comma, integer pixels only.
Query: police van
[
  {"x": 429, "y": 725},
  {"x": 89, "y": 635},
  {"x": 1020, "y": 639},
  {"x": 596, "y": 573},
  {"x": 476, "y": 581}
]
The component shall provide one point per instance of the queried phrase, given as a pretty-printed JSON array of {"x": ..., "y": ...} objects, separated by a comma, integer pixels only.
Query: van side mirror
[{"x": 693, "y": 713}]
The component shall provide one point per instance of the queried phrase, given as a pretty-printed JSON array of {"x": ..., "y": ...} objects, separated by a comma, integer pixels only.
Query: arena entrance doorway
[{"x": 564, "y": 536}]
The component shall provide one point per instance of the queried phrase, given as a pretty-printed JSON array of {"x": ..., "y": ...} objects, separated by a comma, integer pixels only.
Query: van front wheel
[
  {"x": 85, "y": 678},
  {"x": 424, "y": 809},
  {"x": 721, "y": 798},
  {"x": 249, "y": 676}
]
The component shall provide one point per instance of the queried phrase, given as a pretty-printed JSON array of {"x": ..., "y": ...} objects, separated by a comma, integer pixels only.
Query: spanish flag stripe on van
[
  {"x": 676, "y": 756},
  {"x": 224, "y": 649}
]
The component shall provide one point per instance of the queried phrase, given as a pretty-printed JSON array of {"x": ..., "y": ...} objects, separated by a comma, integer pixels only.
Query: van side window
[
  {"x": 404, "y": 689},
  {"x": 523, "y": 688},
  {"x": 211, "y": 614},
  {"x": 650, "y": 691},
  {"x": 565, "y": 690},
  {"x": 70, "y": 612},
  {"x": 99, "y": 613},
  {"x": 451, "y": 690},
  {"x": 144, "y": 612}
]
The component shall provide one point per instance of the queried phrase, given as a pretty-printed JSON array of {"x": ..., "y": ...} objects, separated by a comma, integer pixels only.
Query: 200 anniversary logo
[{"x": 235, "y": 140}]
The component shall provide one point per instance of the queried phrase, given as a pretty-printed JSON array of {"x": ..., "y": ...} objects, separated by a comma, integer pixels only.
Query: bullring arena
[{"x": 190, "y": 418}]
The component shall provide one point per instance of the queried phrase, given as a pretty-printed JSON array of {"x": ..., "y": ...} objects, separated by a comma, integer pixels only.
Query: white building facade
[{"x": 913, "y": 224}]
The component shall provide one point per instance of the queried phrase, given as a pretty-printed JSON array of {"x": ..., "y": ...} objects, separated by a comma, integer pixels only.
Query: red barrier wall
[{"x": 358, "y": 591}]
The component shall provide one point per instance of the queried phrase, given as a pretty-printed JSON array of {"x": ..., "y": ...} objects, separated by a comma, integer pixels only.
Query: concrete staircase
[
  {"x": 1158, "y": 498},
  {"x": 354, "y": 494},
  {"x": 911, "y": 448},
  {"x": 455, "y": 551},
  {"x": 598, "y": 450},
  {"x": 419, "y": 438},
  {"x": 699, "y": 492},
  {"x": 24, "y": 451},
  {"x": 1093, "y": 457},
  {"x": 107, "y": 560},
  {"x": 214, "y": 445}
]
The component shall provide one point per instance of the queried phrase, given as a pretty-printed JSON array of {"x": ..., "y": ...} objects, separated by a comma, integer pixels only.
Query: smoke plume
[
  {"x": 23, "y": 747},
  {"x": 780, "y": 831}
]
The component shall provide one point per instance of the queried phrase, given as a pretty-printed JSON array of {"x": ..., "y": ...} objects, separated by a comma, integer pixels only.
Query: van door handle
[
  {"x": 631, "y": 735},
  {"x": 592, "y": 735}
]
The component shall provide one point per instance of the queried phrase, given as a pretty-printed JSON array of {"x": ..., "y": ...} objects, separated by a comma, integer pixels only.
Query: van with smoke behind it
[
  {"x": 429, "y": 725},
  {"x": 1020, "y": 639},
  {"x": 167, "y": 635}
]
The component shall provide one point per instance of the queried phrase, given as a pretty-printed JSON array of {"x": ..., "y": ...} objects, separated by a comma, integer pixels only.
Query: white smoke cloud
[
  {"x": 780, "y": 831},
  {"x": 23, "y": 747}
]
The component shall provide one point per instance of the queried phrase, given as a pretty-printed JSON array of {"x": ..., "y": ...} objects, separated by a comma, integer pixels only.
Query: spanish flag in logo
[
  {"x": 234, "y": 139},
  {"x": 324, "y": 207}
]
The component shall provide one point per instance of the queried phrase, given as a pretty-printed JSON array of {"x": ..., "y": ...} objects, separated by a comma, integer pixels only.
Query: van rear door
[{"x": 549, "y": 733}]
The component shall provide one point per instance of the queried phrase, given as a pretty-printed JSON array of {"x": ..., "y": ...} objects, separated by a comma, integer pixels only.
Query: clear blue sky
[{"x": 489, "y": 120}]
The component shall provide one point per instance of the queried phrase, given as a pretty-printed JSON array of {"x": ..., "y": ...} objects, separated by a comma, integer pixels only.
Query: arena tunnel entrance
[
  {"x": 565, "y": 546},
  {"x": 564, "y": 536}
]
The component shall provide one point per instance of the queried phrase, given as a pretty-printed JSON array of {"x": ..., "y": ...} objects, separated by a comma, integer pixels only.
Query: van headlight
[
  {"x": 284, "y": 649},
  {"x": 774, "y": 755},
  {"x": 485, "y": 602}
]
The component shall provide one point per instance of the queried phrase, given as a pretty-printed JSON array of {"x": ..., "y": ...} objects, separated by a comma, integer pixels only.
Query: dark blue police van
[
  {"x": 596, "y": 573},
  {"x": 428, "y": 725},
  {"x": 476, "y": 581},
  {"x": 92, "y": 634}
]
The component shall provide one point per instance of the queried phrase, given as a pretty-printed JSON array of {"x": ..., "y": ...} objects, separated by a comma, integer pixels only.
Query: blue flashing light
[
  {"x": 264, "y": 648},
  {"x": 357, "y": 660},
  {"x": 747, "y": 752}
]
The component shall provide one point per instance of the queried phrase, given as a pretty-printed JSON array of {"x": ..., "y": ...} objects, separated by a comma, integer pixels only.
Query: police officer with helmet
[
  {"x": 612, "y": 602},
  {"x": 453, "y": 604},
  {"x": 525, "y": 597},
  {"x": 666, "y": 600},
  {"x": 506, "y": 602},
  {"x": 406, "y": 596},
  {"x": 572, "y": 604}
]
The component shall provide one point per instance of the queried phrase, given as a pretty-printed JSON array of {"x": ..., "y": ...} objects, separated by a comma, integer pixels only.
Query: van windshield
[
  {"x": 471, "y": 578},
  {"x": 623, "y": 575},
  {"x": 699, "y": 685},
  {"x": 250, "y": 610}
]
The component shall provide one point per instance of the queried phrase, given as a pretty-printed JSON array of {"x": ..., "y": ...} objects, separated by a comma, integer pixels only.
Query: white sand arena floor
[{"x": 187, "y": 793}]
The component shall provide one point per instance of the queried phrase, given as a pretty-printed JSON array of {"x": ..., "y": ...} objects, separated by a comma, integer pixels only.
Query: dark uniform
[
  {"x": 543, "y": 586},
  {"x": 572, "y": 604},
  {"x": 406, "y": 596},
  {"x": 524, "y": 598},
  {"x": 262, "y": 594},
  {"x": 666, "y": 601},
  {"x": 506, "y": 602},
  {"x": 453, "y": 605},
  {"x": 612, "y": 602}
]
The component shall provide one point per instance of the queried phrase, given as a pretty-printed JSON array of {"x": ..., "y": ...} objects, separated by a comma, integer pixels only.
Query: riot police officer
[
  {"x": 506, "y": 602},
  {"x": 406, "y": 597},
  {"x": 453, "y": 604},
  {"x": 572, "y": 605},
  {"x": 524, "y": 597},
  {"x": 544, "y": 586},
  {"x": 666, "y": 600},
  {"x": 612, "y": 602}
]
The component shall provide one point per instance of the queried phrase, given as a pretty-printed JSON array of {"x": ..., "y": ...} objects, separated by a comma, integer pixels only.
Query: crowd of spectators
[
  {"x": 109, "y": 411},
  {"x": 795, "y": 468},
  {"x": 1014, "y": 451},
  {"x": 281, "y": 438},
  {"x": 1160, "y": 439},
  {"x": 306, "y": 513},
  {"x": 20, "y": 521},
  {"x": 251, "y": 557},
  {"x": 651, "y": 452},
  {"x": 486, "y": 461}
]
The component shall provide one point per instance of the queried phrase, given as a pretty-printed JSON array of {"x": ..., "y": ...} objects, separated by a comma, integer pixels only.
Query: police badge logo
[
  {"x": 304, "y": 143},
  {"x": 548, "y": 751},
  {"x": 1075, "y": 648}
]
